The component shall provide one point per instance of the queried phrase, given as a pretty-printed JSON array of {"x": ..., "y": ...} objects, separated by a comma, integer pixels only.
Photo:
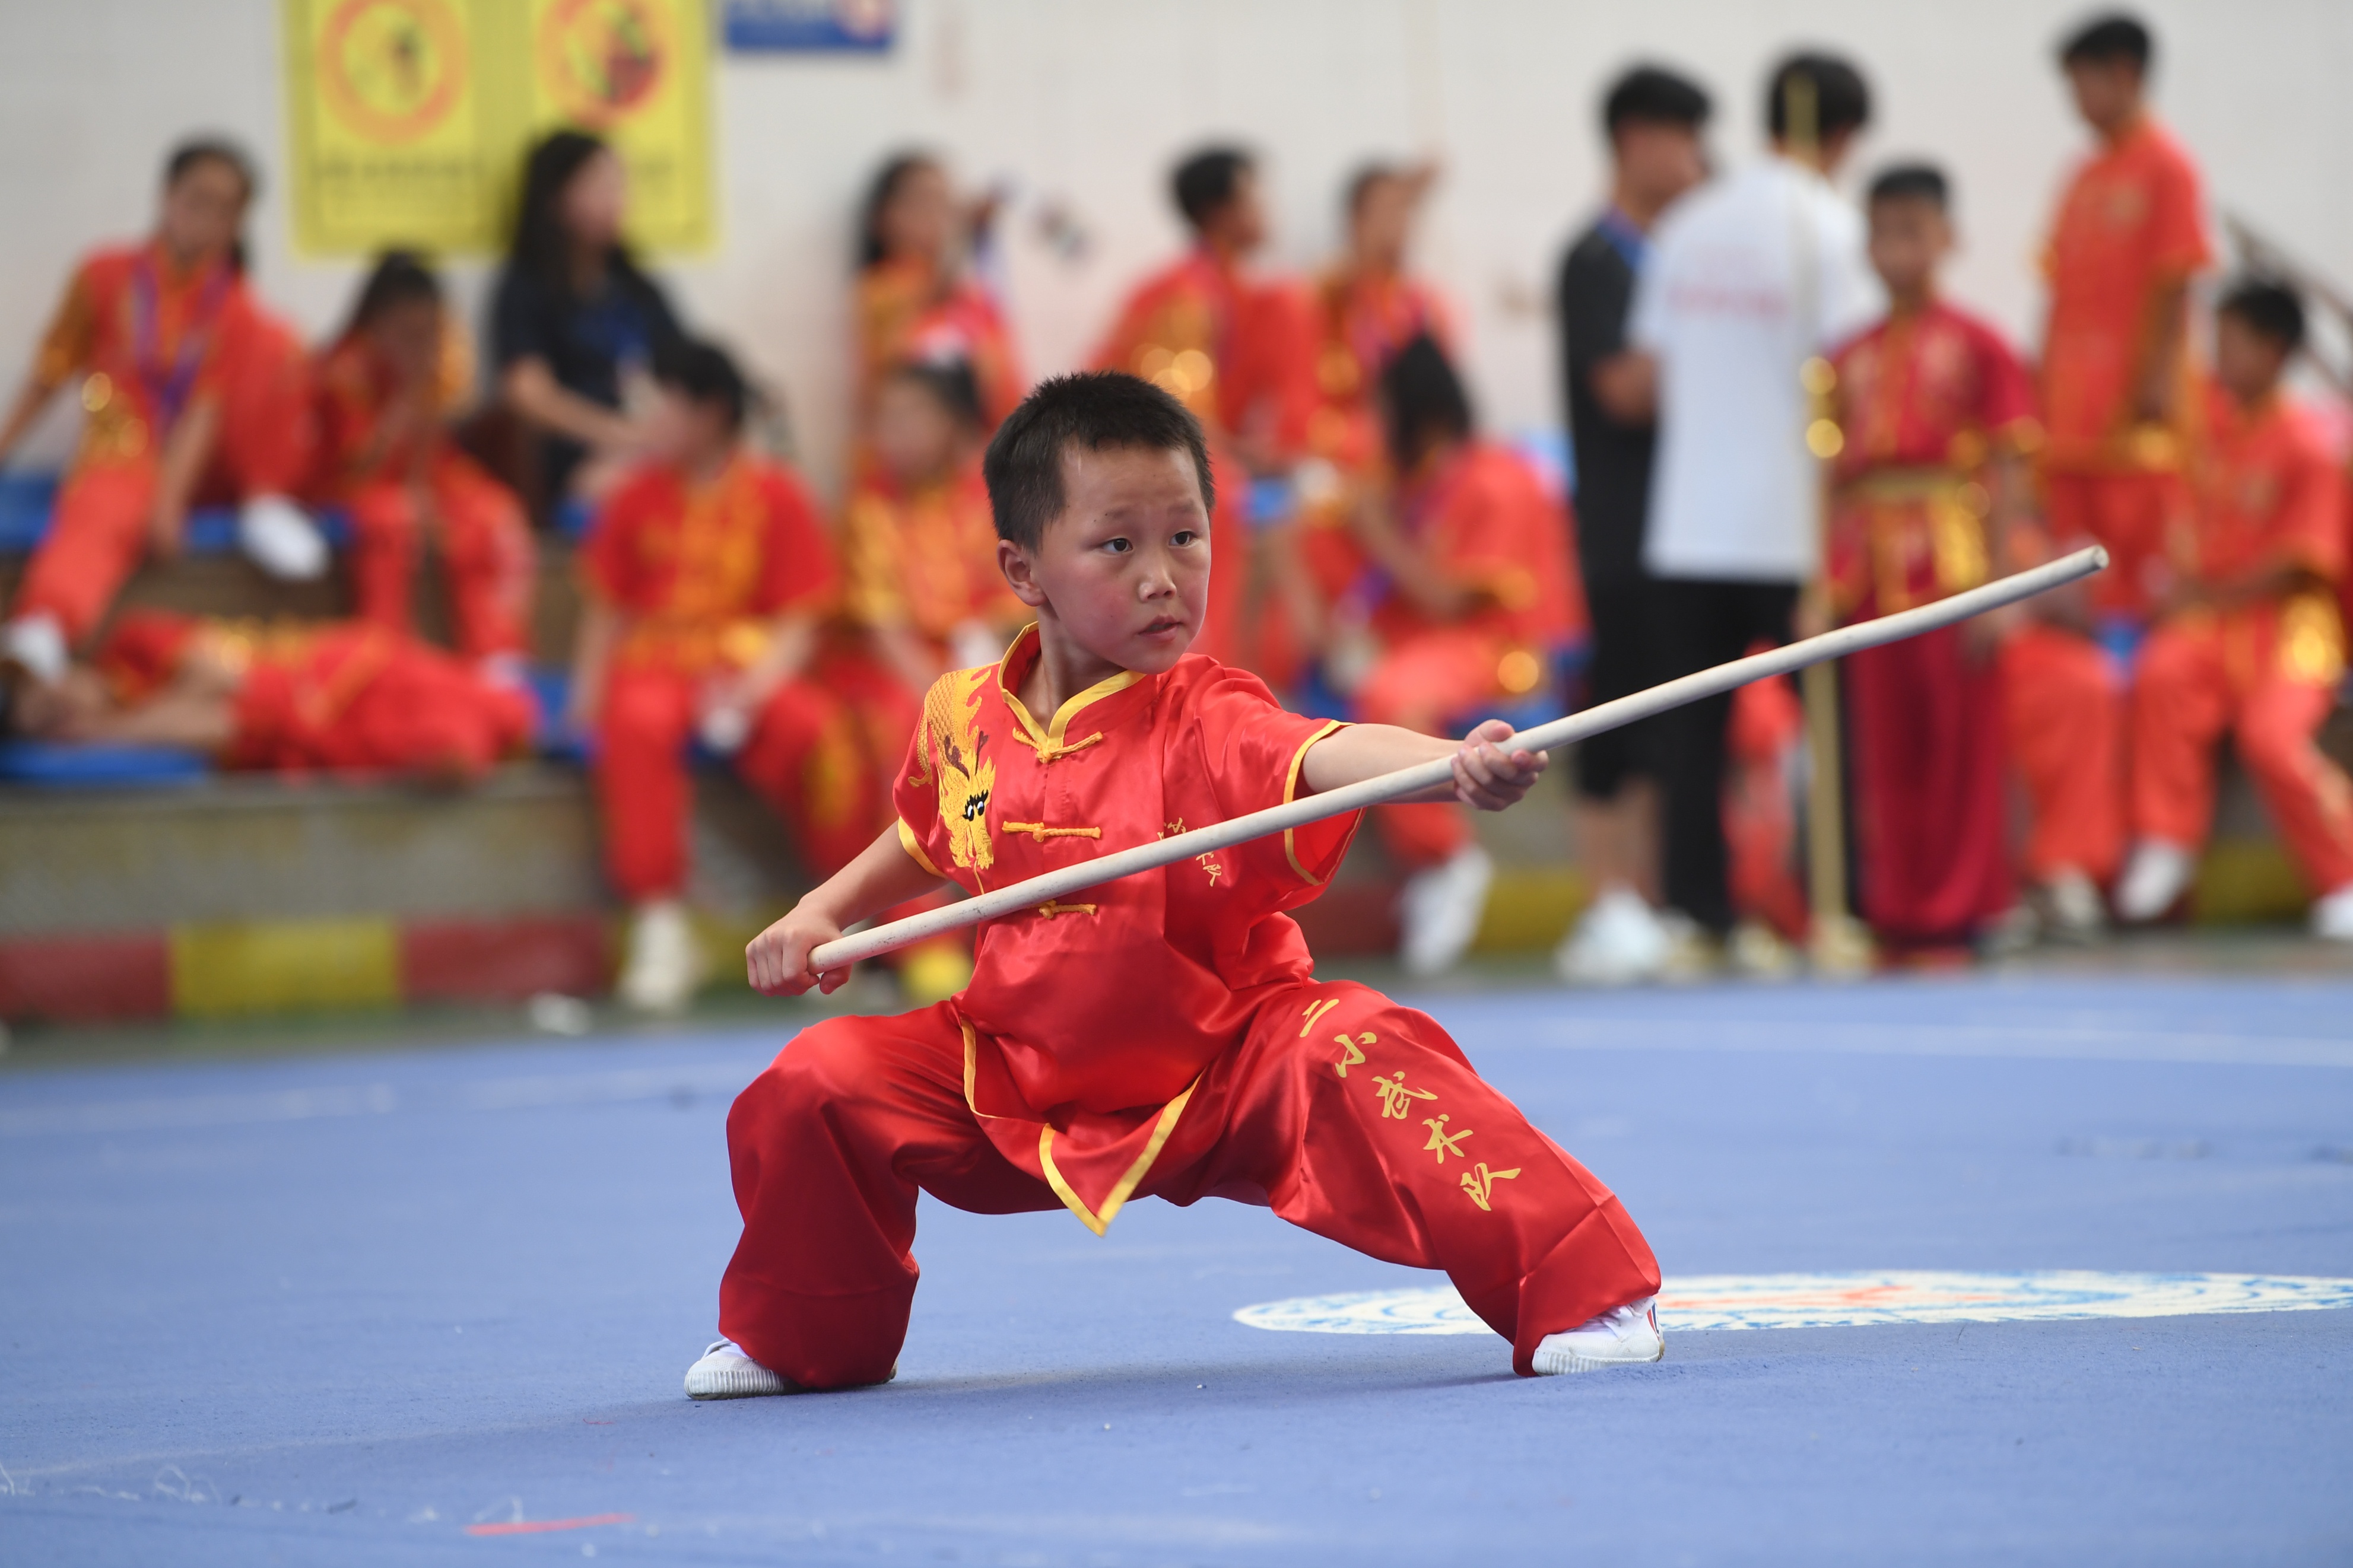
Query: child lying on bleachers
[{"x": 342, "y": 696}]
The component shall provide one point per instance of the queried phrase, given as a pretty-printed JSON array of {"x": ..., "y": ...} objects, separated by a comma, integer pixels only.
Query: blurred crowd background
[{"x": 582, "y": 519}]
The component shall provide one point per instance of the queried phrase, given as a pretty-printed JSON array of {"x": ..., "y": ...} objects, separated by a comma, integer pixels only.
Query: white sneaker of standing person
[
  {"x": 35, "y": 644},
  {"x": 2154, "y": 881},
  {"x": 726, "y": 1372},
  {"x": 2072, "y": 904},
  {"x": 1439, "y": 911},
  {"x": 280, "y": 537},
  {"x": 1622, "y": 1336},
  {"x": 665, "y": 963},
  {"x": 2332, "y": 914},
  {"x": 1617, "y": 941}
]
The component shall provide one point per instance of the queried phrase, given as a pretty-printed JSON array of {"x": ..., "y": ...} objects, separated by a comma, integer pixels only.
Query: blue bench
[{"x": 28, "y": 501}]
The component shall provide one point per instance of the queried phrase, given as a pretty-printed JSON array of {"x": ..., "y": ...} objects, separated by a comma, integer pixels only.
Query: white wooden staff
[{"x": 1410, "y": 781}]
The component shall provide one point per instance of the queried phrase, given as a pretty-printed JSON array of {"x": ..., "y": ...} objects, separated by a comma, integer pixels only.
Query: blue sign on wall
[{"x": 863, "y": 27}]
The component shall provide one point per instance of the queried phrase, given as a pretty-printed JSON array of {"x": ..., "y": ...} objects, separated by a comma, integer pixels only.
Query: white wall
[{"x": 1089, "y": 100}]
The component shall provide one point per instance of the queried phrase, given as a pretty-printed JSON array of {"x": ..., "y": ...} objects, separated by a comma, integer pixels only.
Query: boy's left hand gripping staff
[{"x": 1161, "y": 852}]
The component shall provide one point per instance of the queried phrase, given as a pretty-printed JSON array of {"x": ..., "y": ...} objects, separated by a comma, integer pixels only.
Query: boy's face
[
  {"x": 408, "y": 337},
  {"x": 1658, "y": 160},
  {"x": 2246, "y": 362},
  {"x": 1241, "y": 224},
  {"x": 683, "y": 431},
  {"x": 1382, "y": 223},
  {"x": 1124, "y": 571},
  {"x": 913, "y": 433},
  {"x": 2106, "y": 92},
  {"x": 1910, "y": 237}
]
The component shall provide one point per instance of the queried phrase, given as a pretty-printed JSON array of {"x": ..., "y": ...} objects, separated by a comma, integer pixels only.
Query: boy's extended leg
[
  {"x": 1361, "y": 1120},
  {"x": 828, "y": 1147}
]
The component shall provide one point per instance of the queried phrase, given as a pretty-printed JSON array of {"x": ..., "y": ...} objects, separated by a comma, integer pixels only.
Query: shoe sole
[
  {"x": 1568, "y": 1363},
  {"x": 755, "y": 1382}
]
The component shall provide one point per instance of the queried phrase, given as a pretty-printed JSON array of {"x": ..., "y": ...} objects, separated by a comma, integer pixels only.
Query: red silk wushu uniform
[
  {"x": 2131, "y": 223},
  {"x": 1238, "y": 352},
  {"x": 148, "y": 343},
  {"x": 1484, "y": 521},
  {"x": 1923, "y": 400},
  {"x": 1162, "y": 1036},
  {"x": 342, "y": 697},
  {"x": 397, "y": 486},
  {"x": 2269, "y": 493},
  {"x": 698, "y": 571}
]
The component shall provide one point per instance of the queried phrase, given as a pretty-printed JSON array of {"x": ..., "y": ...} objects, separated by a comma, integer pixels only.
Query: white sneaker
[
  {"x": 726, "y": 1372},
  {"x": 1623, "y": 1336},
  {"x": 2073, "y": 905},
  {"x": 280, "y": 539},
  {"x": 1439, "y": 909},
  {"x": 2154, "y": 881},
  {"x": 1618, "y": 942},
  {"x": 2332, "y": 915},
  {"x": 665, "y": 961},
  {"x": 1756, "y": 952},
  {"x": 1692, "y": 953},
  {"x": 35, "y": 645}
]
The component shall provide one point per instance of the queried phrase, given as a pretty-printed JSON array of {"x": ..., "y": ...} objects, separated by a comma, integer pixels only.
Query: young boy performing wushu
[
  {"x": 706, "y": 572},
  {"x": 2251, "y": 641},
  {"x": 1164, "y": 1037},
  {"x": 1936, "y": 411}
]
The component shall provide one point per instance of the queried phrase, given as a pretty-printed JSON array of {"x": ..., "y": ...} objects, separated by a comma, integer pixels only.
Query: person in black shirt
[
  {"x": 1653, "y": 119},
  {"x": 574, "y": 320}
]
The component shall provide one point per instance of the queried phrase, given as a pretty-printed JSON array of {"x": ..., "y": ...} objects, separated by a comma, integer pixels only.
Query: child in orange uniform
[
  {"x": 1469, "y": 598},
  {"x": 1165, "y": 1036},
  {"x": 1238, "y": 351},
  {"x": 385, "y": 391},
  {"x": 190, "y": 390},
  {"x": 707, "y": 573},
  {"x": 2249, "y": 642},
  {"x": 345, "y": 697},
  {"x": 1937, "y": 412},
  {"x": 2129, "y": 235}
]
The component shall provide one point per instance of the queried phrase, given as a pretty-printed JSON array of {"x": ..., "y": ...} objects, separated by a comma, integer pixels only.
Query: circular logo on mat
[{"x": 1844, "y": 1300}]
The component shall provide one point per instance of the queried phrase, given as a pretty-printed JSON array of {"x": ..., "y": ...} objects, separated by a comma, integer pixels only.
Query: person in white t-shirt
[{"x": 1747, "y": 278}]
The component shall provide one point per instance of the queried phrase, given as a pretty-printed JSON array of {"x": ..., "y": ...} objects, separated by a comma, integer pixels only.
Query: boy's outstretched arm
[
  {"x": 1489, "y": 773},
  {"x": 884, "y": 874}
]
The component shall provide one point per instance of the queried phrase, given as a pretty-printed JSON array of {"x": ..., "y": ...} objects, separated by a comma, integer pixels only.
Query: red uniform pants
[
  {"x": 1926, "y": 759},
  {"x": 486, "y": 554},
  {"x": 99, "y": 531},
  {"x": 2131, "y": 515},
  {"x": 1364, "y": 1123},
  {"x": 2185, "y": 700},
  {"x": 2065, "y": 713},
  {"x": 1423, "y": 683},
  {"x": 802, "y": 758}
]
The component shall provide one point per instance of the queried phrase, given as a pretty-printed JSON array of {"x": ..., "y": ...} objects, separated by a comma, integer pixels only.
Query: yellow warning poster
[{"x": 408, "y": 120}]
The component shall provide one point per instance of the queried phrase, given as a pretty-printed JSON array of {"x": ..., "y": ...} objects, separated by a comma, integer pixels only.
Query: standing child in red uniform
[
  {"x": 192, "y": 391},
  {"x": 1936, "y": 414},
  {"x": 2249, "y": 642},
  {"x": 1165, "y": 1036},
  {"x": 707, "y": 573},
  {"x": 1468, "y": 598},
  {"x": 385, "y": 390},
  {"x": 1238, "y": 349}
]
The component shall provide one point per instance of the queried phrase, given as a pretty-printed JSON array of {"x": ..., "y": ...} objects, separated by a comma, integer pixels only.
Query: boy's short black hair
[
  {"x": 1095, "y": 409},
  {"x": 1912, "y": 183},
  {"x": 1205, "y": 181},
  {"x": 1841, "y": 98},
  {"x": 950, "y": 381},
  {"x": 1422, "y": 397},
  {"x": 2107, "y": 38},
  {"x": 1652, "y": 95},
  {"x": 2270, "y": 306},
  {"x": 704, "y": 373}
]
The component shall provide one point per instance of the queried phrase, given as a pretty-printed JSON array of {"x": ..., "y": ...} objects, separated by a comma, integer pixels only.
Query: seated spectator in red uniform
[
  {"x": 1469, "y": 598},
  {"x": 342, "y": 697},
  {"x": 2249, "y": 644},
  {"x": 385, "y": 389},
  {"x": 193, "y": 393},
  {"x": 707, "y": 574}
]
